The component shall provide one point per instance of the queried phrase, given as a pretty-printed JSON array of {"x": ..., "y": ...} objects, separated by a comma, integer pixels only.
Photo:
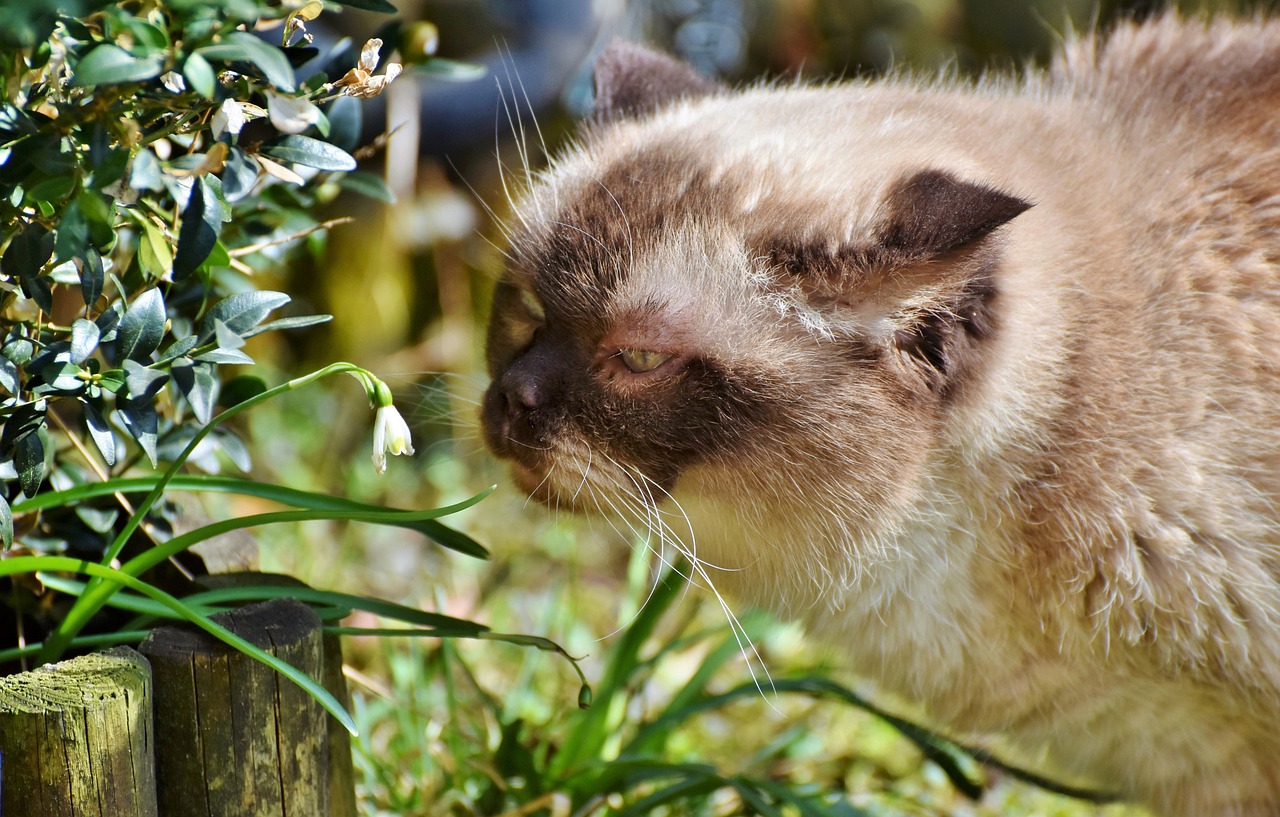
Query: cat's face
[{"x": 672, "y": 321}]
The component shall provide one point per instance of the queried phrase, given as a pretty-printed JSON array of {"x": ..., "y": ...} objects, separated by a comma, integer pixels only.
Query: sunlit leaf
[
  {"x": 142, "y": 326},
  {"x": 288, "y": 323},
  {"x": 154, "y": 253},
  {"x": 309, "y": 152},
  {"x": 142, "y": 382},
  {"x": 109, "y": 64},
  {"x": 241, "y": 312},
  {"x": 84, "y": 339},
  {"x": 200, "y": 75},
  {"x": 199, "y": 384},
  {"x": 28, "y": 457},
  {"x": 241, "y": 46},
  {"x": 201, "y": 223},
  {"x": 6, "y": 523},
  {"x": 139, "y": 418},
  {"x": 99, "y": 432},
  {"x": 239, "y": 175}
]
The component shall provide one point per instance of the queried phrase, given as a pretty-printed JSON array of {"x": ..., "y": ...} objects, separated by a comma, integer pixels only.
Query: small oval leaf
[
  {"x": 309, "y": 152},
  {"x": 142, "y": 327},
  {"x": 109, "y": 64},
  {"x": 84, "y": 339},
  {"x": 241, "y": 46},
  {"x": 101, "y": 434}
]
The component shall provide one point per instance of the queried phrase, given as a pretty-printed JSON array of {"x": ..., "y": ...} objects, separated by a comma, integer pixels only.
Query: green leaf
[
  {"x": 142, "y": 327},
  {"x": 6, "y": 523},
  {"x": 346, "y": 121},
  {"x": 451, "y": 70},
  {"x": 109, "y": 64},
  {"x": 146, "y": 173},
  {"x": 238, "y": 389},
  {"x": 199, "y": 384},
  {"x": 139, "y": 418},
  {"x": 241, "y": 312},
  {"x": 154, "y": 253},
  {"x": 92, "y": 276},
  {"x": 239, "y": 175},
  {"x": 288, "y": 323},
  {"x": 310, "y": 152},
  {"x": 100, "y": 432},
  {"x": 84, "y": 339},
  {"x": 28, "y": 458},
  {"x": 142, "y": 382},
  {"x": 8, "y": 376},
  {"x": 31, "y": 564},
  {"x": 241, "y": 46},
  {"x": 381, "y": 6},
  {"x": 422, "y": 521},
  {"x": 200, "y": 75},
  {"x": 233, "y": 356},
  {"x": 96, "y": 210},
  {"x": 178, "y": 348},
  {"x": 201, "y": 223},
  {"x": 72, "y": 234},
  {"x": 23, "y": 259},
  {"x": 226, "y": 337},
  {"x": 367, "y": 184}
]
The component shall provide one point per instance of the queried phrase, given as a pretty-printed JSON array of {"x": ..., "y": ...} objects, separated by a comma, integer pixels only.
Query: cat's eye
[
  {"x": 642, "y": 360},
  {"x": 532, "y": 305}
]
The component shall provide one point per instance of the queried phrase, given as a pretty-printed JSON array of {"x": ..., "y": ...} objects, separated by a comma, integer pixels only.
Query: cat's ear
[
  {"x": 631, "y": 81},
  {"x": 931, "y": 213}
]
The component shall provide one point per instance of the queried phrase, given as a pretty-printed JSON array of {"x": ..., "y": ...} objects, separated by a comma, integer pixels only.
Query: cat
[{"x": 981, "y": 381}]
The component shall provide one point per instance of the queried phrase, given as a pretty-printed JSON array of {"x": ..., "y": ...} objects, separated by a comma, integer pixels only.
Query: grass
[{"x": 678, "y": 724}]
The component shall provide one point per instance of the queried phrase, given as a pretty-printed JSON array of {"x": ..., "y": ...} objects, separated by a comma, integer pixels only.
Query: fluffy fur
[{"x": 982, "y": 382}]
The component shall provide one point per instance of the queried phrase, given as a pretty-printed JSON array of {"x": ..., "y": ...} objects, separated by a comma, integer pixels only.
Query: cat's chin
[{"x": 539, "y": 485}]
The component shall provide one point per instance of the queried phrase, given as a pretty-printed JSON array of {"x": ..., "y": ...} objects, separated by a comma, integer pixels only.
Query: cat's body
[{"x": 983, "y": 383}]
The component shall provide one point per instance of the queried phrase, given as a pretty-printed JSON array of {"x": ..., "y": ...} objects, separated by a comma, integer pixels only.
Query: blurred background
[{"x": 456, "y": 153}]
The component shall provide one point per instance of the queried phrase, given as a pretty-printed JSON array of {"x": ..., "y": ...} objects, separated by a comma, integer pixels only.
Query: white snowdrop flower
[{"x": 390, "y": 436}]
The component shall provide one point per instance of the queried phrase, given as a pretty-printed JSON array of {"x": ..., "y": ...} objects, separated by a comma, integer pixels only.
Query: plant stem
[{"x": 98, "y": 591}]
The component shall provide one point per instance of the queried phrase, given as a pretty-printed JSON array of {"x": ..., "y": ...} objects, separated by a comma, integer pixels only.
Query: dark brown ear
[
  {"x": 631, "y": 80},
  {"x": 931, "y": 213}
]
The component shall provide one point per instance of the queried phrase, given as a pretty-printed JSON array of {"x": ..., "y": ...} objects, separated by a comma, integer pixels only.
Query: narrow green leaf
[
  {"x": 310, "y": 152},
  {"x": 177, "y": 349},
  {"x": 28, "y": 458},
  {"x": 99, "y": 432},
  {"x": 232, "y": 356},
  {"x": 381, "y": 6},
  {"x": 422, "y": 521},
  {"x": 23, "y": 259},
  {"x": 154, "y": 253},
  {"x": 92, "y": 276},
  {"x": 109, "y": 64},
  {"x": 288, "y": 323},
  {"x": 200, "y": 75},
  {"x": 201, "y": 223},
  {"x": 142, "y": 327},
  {"x": 345, "y": 116},
  {"x": 31, "y": 564},
  {"x": 451, "y": 70},
  {"x": 241, "y": 46},
  {"x": 6, "y": 523}
]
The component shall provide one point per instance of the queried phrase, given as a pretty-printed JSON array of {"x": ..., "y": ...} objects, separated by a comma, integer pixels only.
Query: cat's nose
[{"x": 521, "y": 394}]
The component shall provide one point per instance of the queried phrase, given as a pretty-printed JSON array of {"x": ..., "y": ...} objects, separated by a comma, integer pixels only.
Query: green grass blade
[
  {"x": 422, "y": 521},
  {"x": 32, "y": 564}
]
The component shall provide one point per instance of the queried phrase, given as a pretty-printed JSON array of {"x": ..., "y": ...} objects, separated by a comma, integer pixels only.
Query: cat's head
[{"x": 711, "y": 295}]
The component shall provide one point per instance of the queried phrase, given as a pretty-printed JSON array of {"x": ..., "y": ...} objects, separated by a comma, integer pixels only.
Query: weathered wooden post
[
  {"x": 233, "y": 737},
  {"x": 76, "y": 739}
]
